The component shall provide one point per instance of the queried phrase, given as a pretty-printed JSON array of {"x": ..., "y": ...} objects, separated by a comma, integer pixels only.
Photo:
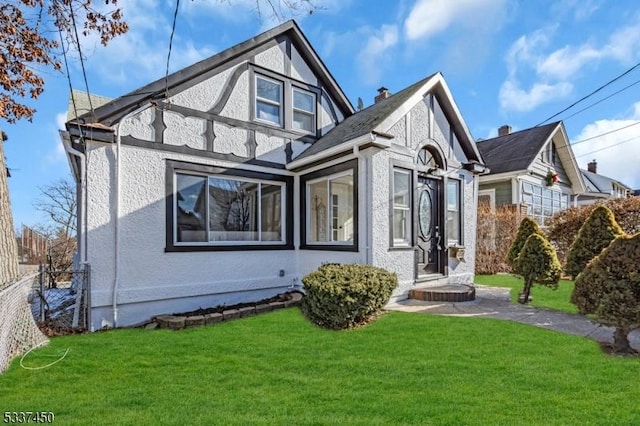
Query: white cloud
[
  {"x": 580, "y": 10},
  {"x": 554, "y": 72},
  {"x": 430, "y": 17},
  {"x": 514, "y": 98},
  {"x": 371, "y": 57},
  {"x": 57, "y": 153},
  {"x": 613, "y": 151}
]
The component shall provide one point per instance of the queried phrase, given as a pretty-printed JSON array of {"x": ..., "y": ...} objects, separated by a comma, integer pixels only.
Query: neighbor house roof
[
  {"x": 111, "y": 112},
  {"x": 517, "y": 150},
  {"x": 597, "y": 183}
]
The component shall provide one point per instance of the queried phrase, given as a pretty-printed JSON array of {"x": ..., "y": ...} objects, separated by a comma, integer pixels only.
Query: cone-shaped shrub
[
  {"x": 609, "y": 288},
  {"x": 527, "y": 227},
  {"x": 342, "y": 296},
  {"x": 538, "y": 264},
  {"x": 596, "y": 233}
]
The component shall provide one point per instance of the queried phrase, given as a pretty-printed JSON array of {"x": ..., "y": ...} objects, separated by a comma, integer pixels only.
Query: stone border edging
[{"x": 179, "y": 322}]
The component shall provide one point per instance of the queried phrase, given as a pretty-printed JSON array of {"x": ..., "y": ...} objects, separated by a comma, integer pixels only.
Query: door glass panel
[{"x": 425, "y": 213}]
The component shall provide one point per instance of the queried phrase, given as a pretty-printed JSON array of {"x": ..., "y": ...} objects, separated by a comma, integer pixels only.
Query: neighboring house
[
  {"x": 231, "y": 179},
  {"x": 533, "y": 169},
  {"x": 600, "y": 188}
]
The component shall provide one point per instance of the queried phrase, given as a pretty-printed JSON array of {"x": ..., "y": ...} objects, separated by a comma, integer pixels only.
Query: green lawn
[
  {"x": 278, "y": 368},
  {"x": 543, "y": 297}
]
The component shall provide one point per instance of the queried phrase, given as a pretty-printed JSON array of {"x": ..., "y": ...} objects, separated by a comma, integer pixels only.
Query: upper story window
[
  {"x": 291, "y": 105},
  {"x": 269, "y": 100},
  {"x": 304, "y": 110}
]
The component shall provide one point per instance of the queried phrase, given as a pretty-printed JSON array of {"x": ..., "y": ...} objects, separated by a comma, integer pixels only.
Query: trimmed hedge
[
  {"x": 343, "y": 296},
  {"x": 538, "y": 264},
  {"x": 594, "y": 236},
  {"x": 526, "y": 228},
  {"x": 609, "y": 288}
]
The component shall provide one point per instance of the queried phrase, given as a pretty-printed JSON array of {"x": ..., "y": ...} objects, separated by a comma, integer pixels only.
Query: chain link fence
[
  {"x": 18, "y": 330},
  {"x": 59, "y": 300}
]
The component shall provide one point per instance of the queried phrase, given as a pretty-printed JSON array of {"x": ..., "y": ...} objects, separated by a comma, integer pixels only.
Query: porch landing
[{"x": 446, "y": 293}]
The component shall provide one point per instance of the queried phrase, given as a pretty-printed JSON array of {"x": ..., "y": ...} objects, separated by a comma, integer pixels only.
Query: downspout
[
  {"x": 83, "y": 185},
  {"x": 365, "y": 197},
  {"x": 116, "y": 279}
]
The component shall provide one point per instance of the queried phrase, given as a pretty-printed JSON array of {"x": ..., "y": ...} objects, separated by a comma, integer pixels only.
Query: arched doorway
[{"x": 430, "y": 236}]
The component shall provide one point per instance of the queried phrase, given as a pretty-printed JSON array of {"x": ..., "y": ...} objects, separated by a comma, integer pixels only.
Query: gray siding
[{"x": 503, "y": 191}]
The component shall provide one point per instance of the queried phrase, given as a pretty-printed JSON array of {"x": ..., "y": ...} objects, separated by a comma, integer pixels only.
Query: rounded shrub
[
  {"x": 609, "y": 288},
  {"x": 538, "y": 264},
  {"x": 343, "y": 296},
  {"x": 527, "y": 227},
  {"x": 596, "y": 233}
]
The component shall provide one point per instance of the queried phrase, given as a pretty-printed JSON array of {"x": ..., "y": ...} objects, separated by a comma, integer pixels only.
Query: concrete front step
[{"x": 445, "y": 293}]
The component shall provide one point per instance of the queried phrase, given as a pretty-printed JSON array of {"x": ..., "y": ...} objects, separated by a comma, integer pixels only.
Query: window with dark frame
[
  {"x": 304, "y": 110},
  {"x": 269, "y": 100},
  {"x": 401, "y": 216},
  {"x": 211, "y": 208},
  {"x": 329, "y": 208}
]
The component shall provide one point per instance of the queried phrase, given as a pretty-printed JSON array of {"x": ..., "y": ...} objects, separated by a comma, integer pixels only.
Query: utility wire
[
  {"x": 173, "y": 30},
  {"x": 606, "y": 133},
  {"x": 73, "y": 98},
  {"x": 84, "y": 72},
  {"x": 591, "y": 94},
  {"x": 608, "y": 146},
  {"x": 602, "y": 100}
]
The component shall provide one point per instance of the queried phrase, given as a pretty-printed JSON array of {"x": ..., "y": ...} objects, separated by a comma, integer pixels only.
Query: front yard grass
[
  {"x": 278, "y": 368},
  {"x": 542, "y": 297}
]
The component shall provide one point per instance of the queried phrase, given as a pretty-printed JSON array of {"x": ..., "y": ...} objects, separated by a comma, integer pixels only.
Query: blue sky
[{"x": 506, "y": 62}]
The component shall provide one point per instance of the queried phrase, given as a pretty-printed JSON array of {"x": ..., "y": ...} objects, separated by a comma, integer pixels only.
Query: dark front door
[{"x": 429, "y": 229}]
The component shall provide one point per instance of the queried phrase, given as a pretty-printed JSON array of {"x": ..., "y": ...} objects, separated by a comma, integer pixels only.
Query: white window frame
[
  {"x": 328, "y": 222},
  {"x": 312, "y": 114},
  {"x": 406, "y": 240},
  {"x": 259, "y": 241},
  {"x": 257, "y": 99},
  {"x": 459, "y": 199},
  {"x": 562, "y": 201}
]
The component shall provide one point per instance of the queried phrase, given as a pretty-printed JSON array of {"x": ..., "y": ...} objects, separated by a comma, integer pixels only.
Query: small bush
[
  {"x": 343, "y": 296},
  {"x": 594, "y": 236},
  {"x": 527, "y": 227},
  {"x": 609, "y": 288},
  {"x": 538, "y": 264}
]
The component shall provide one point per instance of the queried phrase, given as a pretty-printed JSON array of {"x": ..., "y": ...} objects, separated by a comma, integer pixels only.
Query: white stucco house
[{"x": 236, "y": 176}]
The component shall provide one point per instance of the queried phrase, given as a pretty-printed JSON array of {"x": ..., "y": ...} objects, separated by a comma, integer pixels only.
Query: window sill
[
  {"x": 329, "y": 247},
  {"x": 230, "y": 247}
]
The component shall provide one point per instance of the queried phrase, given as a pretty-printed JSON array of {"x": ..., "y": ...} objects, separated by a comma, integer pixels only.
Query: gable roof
[
  {"x": 114, "y": 110},
  {"x": 379, "y": 117},
  {"x": 517, "y": 150},
  {"x": 596, "y": 183}
]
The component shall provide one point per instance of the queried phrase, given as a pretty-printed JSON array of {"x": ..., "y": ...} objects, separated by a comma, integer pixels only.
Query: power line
[
  {"x": 606, "y": 133},
  {"x": 84, "y": 72},
  {"x": 602, "y": 100},
  {"x": 609, "y": 146},
  {"x": 591, "y": 94},
  {"x": 173, "y": 30}
]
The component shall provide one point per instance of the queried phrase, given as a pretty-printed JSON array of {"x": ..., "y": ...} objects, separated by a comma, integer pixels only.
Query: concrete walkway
[{"x": 495, "y": 302}]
